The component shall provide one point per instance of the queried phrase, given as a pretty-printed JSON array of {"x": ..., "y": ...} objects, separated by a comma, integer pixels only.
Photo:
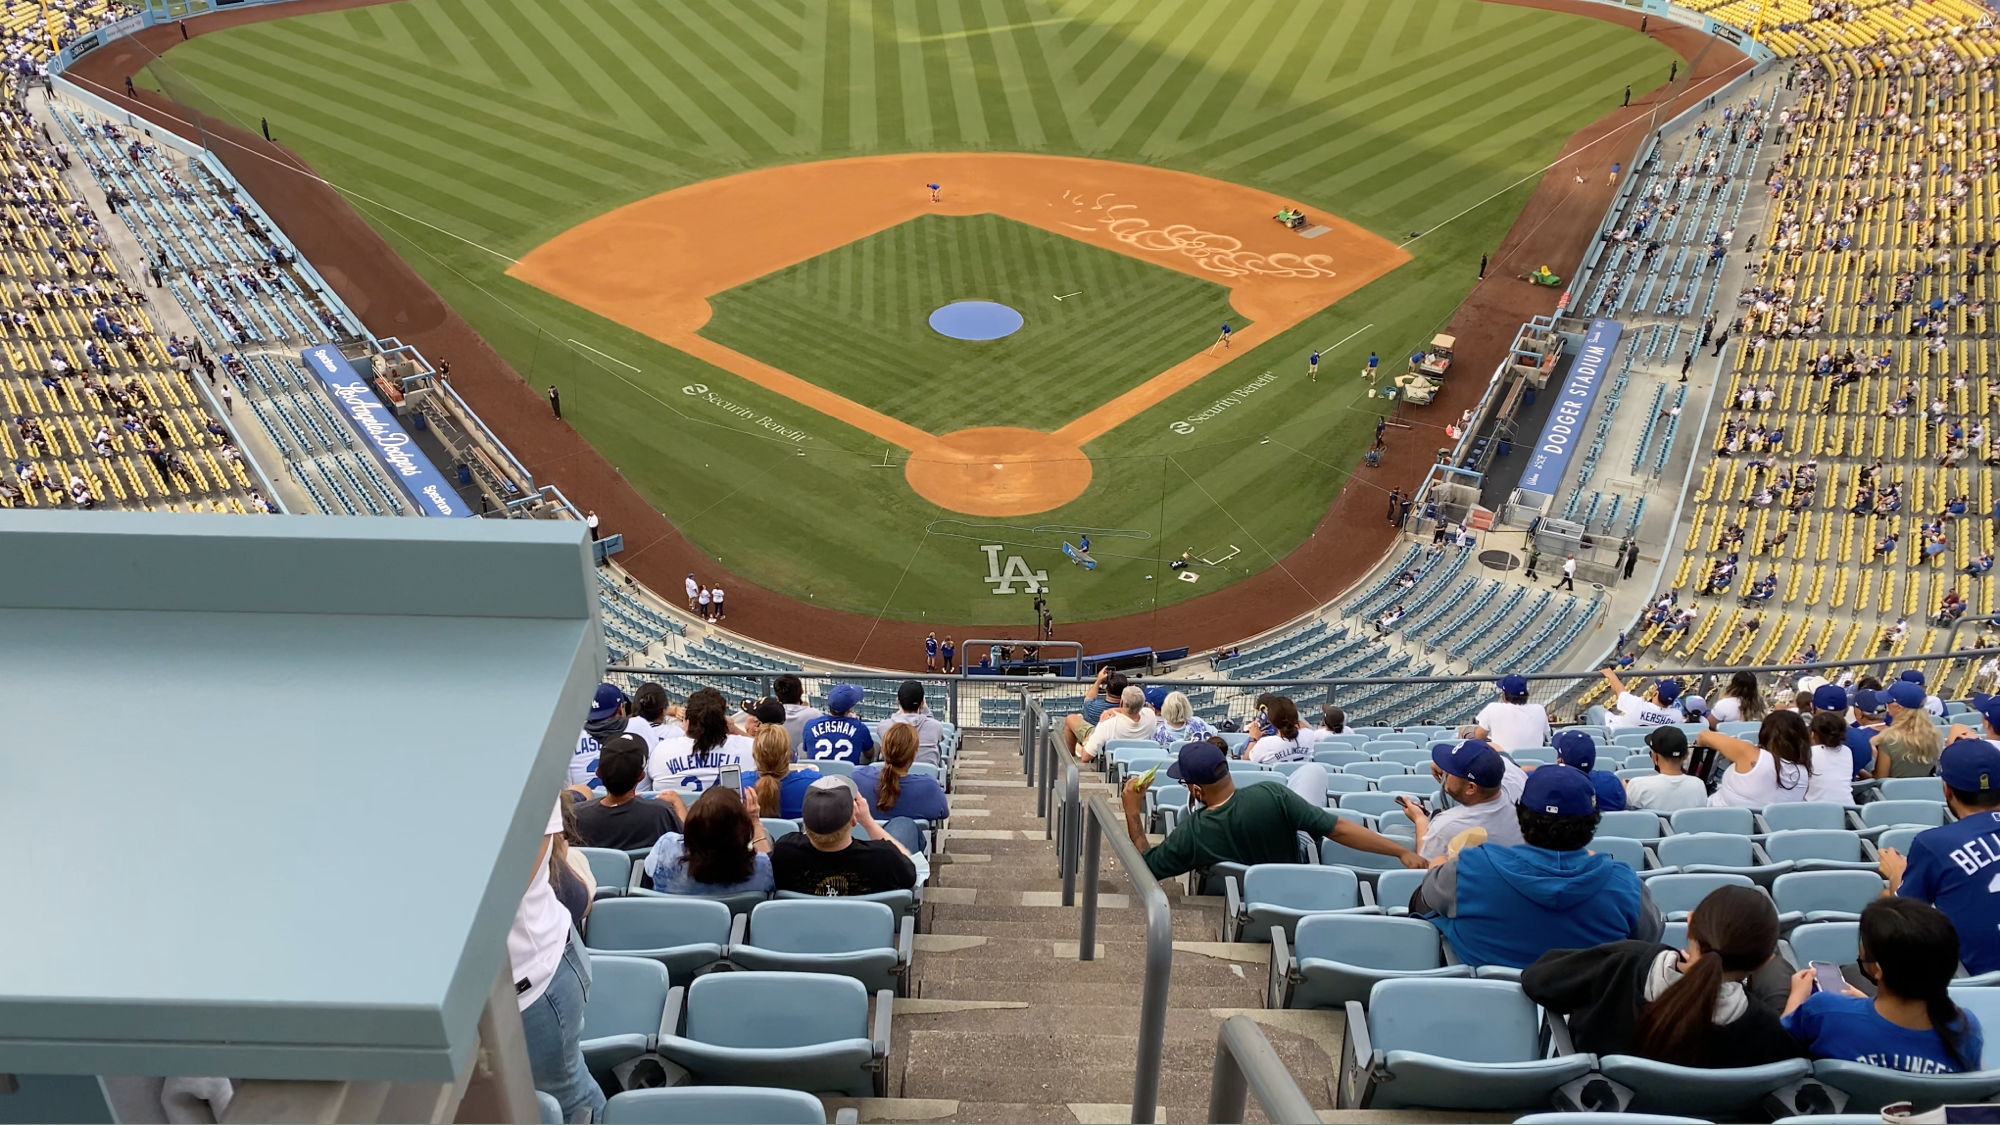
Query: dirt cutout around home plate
[{"x": 653, "y": 265}]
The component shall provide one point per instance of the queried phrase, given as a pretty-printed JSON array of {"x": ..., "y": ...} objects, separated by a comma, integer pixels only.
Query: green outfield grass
[
  {"x": 470, "y": 131},
  {"x": 856, "y": 321}
]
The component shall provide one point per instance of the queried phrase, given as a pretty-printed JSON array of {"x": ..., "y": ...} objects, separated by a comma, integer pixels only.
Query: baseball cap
[
  {"x": 1559, "y": 793},
  {"x": 1576, "y": 748},
  {"x": 828, "y": 805},
  {"x": 1811, "y": 682},
  {"x": 843, "y": 698},
  {"x": 1971, "y": 764},
  {"x": 1156, "y": 697},
  {"x": 1667, "y": 742},
  {"x": 1912, "y": 676},
  {"x": 606, "y": 702},
  {"x": 1989, "y": 708},
  {"x": 1695, "y": 706},
  {"x": 1868, "y": 701},
  {"x": 1829, "y": 697},
  {"x": 1475, "y": 760},
  {"x": 1199, "y": 763},
  {"x": 1514, "y": 685},
  {"x": 1669, "y": 690},
  {"x": 1903, "y": 693},
  {"x": 767, "y": 710}
]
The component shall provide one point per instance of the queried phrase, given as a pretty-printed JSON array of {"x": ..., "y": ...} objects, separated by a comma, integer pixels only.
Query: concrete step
[
  {"x": 1084, "y": 1064},
  {"x": 966, "y": 957},
  {"x": 1063, "y": 925},
  {"x": 1042, "y": 992}
]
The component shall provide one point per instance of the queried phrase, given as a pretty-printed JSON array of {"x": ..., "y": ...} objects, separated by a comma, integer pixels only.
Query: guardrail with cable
[{"x": 1102, "y": 820}]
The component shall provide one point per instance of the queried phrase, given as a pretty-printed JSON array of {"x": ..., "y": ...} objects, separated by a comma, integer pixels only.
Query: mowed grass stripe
[
  {"x": 629, "y": 71},
  {"x": 1047, "y": 68},
  {"x": 592, "y": 87},
  {"x": 819, "y": 98},
  {"x": 1016, "y": 105},
  {"x": 400, "y": 108},
  {"x": 477, "y": 32},
  {"x": 1174, "y": 65},
  {"x": 749, "y": 28},
  {"x": 1187, "y": 99},
  {"x": 1106, "y": 82},
  {"x": 763, "y": 95},
  {"x": 955, "y": 55},
  {"x": 301, "y": 113},
  {"x": 642, "y": 43},
  {"x": 918, "y": 128},
  {"x": 859, "y": 88}
]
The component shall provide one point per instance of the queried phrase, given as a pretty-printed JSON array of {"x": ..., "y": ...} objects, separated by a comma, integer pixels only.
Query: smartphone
[
  {"x": 731, "y": 777},
  {"x": 1146, "y": 778},
  {"x": 1827, "y": 978}
]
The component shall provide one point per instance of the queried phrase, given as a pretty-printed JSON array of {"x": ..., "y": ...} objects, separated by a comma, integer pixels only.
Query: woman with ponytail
[
  {"x": 781, "y": 783},
  {"x": 889, "y": 787},
  {"x": 1654, "y": 1001},
  {"x": 1910, "y": 950}
]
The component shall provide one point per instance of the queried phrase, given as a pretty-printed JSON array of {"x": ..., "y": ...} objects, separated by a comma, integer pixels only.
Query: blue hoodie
[{"x": 1509, "y": 905}]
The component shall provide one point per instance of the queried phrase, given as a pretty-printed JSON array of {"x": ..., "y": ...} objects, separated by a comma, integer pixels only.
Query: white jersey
[{"x": 673, "y": 764}]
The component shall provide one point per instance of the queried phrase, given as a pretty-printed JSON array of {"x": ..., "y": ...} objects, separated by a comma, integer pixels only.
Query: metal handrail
[
  {"x": 1104, "y": 820},
  {"x": 1245, "y": 1062}
]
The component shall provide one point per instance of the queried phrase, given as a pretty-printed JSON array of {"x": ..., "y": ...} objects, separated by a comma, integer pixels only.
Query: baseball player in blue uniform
[
  {"x": 1312, "y": 367},
  {"x": 930, "y": 653}
]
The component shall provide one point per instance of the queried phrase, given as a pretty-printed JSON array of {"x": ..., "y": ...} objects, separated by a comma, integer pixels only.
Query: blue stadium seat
[
  {"x": 1726, "y": 1094},
  {"x": 1534, "y": 756},
  {"x": 778, "y": 828},
  {"x": 1376, "y": 770},
  {"x": 1822, "y": 896},
  {"x": 1898, "y": 838},
  {"x": 1415, "y": 785},
  {"x": 1873, "y": 1087},
  {"x": 1803, "y": 814},
  {"x": 1895, "y": 814},
  {"x": 1632, "y": 853},
  {"x": 627, "y": 1012},
  {"x": 848, "y": 937},
  {"x": 611, "y": 868},
  {"x": 1339, "y": 757},
  {"x": 1609, "y": 1119},
  {"x": 1412, "y": 757},
  {"x": 792, "y": 1030},
  {"x": 902, "y": 902},
  {"x": 1334, "y": 959},
  {"x": 1337, "y": 783},
  {"x": 1364, "y": 864},
  {"x": 1737, "y": 821},
  {"x": 1820, "y": 849},
  {"x": 1369, "y": 804},
  {"x": 716, "y": 1105},
  {"x": 1712, "y": 853},
  {"x": 683, "y": 934},
  {"x": 1835, "y": 942},
  {"x": 1677, "y": 894},
  {"x": 1634, "y": 824},
  {"x": 1449, "y": 1044},
  {"x": 551, "y": 1108},
  {"x": 1912, "y": 789},
  {"x": 1393, "y": 890},
  {"x": 1274, "y": 896}
]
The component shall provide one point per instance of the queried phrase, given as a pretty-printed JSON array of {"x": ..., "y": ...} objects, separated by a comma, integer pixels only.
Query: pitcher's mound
[{"x": 998, "y": 471}]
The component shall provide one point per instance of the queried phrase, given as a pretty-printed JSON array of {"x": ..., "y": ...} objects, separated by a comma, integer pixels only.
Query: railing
[
  {"x": 1103, "y": 820},
  {"x": 958, "y": 698},
  {"x": 1246, "y": 1063}
]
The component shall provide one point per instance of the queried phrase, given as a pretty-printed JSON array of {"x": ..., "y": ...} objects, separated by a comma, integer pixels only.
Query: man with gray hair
[{"x": 1132, "y": 720}]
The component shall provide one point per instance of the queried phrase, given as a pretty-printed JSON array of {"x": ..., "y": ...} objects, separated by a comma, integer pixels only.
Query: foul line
[
  {"x": 1275, "y": 560},
  {"x": 606, "y": 355},
  {"x": 1344, "y": 339}
]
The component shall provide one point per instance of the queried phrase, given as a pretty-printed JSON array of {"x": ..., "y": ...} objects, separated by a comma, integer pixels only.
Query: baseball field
[{"x": 710, "y": 224}]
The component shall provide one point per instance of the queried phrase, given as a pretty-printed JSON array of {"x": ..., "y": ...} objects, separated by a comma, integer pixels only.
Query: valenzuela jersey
[{"x": 837, "y": 738}]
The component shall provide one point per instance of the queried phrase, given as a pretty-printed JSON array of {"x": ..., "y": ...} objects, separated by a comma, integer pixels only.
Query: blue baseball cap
[
  {"x": 1475, "y": 760},
  {"x": 1156, "y": 697},
  {"x": 1669, "y": 690},
  {"x": 1971, "y": 764},
  {"x": 843, "y": 698},
  {"x": 1903, "y": 693},
  {"x": 1868, "y": 701},
  {"x": 1559, "y": 793},
  {"x": 1513, "y": 685},
  {"x": 1829, "y": 697},
  {"x": 1576, "y": 748},
  {"x": 1912, "y": 676},
  {"x": 1989, "y": 709},
  {"x": 606, "y": 702},
  {"x": 1199, "y": 763}
]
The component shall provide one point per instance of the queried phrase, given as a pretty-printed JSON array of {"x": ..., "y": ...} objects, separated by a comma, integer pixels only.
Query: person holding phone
[
  {"x": 695, "y": 759},
  {"x": 1471, "y": 774},
  {"x": 721, "y": 850},
  {"x": 1910, "y": 951}
]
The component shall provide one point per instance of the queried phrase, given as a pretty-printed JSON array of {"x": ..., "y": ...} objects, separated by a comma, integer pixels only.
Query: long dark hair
[
  {"x": 1284, "y": 716},
  {"x": 707, "y": 722},
  {"x": 1914, "y": 949},
  {"x": 1737, "y": 930},
  {"x": 717, "y": 837},
  {"x": 1829, "y": 728},
  {"x": 1783, "y": 733},
  {"x": 1743, "y": 687},
  {"x": 899, "y": 749}
]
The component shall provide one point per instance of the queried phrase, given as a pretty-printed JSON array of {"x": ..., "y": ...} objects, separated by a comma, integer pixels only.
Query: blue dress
[{"x": 667, "y": 864}]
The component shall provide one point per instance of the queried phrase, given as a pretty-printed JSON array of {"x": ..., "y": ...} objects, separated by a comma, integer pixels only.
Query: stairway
[{"x": 1004, "y": 1024}]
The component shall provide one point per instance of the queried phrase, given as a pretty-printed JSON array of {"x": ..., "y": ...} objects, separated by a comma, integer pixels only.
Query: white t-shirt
[
  {"x": 1503, "y": 828},
  {"x": 1515, "y": 726},
  {"x": 1277, "y": 748},
  {"x": 1115, "y": 724},
  {"x": 1514, "y": 782},
  {"x": 540, "y": 932},
  {"x": 673, "y": 764},
  {"x": 1727, "y": 709},
  {"x": 1634, "y": 713},
  {"x": 1665, "y": 792},
  {"x": 668, "y": 728},
  {"x": 1934, "y": 705},
  {"x": 1760, "y": 786},
  {"x": 1832, "y": 775},
  {"x": 693, "y": 588}
]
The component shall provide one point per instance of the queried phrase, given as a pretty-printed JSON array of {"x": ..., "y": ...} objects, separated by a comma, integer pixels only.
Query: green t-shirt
[{"x": 1258, "y": 824}]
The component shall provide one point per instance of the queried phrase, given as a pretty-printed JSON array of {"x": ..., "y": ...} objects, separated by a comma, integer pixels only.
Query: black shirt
[
  {"x": 638, "y": 823},
  {"x": 864, "y": 867}
]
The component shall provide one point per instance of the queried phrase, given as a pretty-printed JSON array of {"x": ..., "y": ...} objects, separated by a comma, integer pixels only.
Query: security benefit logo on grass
[
  {"x": 1003, "y": 579},
  {"x": 1186, "y": 425},
  {"x": 701, "y": 391}
]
